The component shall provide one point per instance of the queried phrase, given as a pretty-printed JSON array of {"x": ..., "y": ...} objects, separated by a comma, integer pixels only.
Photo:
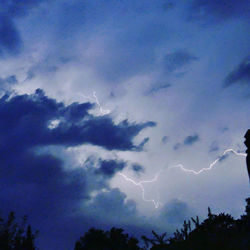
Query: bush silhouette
[
  {"x": 217, "y": 232},
  {"x": 114, "y": 239},
  {"x": 14, "y": 236}
]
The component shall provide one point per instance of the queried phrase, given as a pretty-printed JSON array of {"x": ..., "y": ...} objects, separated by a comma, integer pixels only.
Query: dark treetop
[{"x": 247, "y": 143}]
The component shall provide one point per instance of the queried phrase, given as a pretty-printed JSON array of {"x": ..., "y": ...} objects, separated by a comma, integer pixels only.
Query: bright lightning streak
[
  {"x": 140, "y": 184},
  {"x": 103, "y": 111},
  {"x": 95, "y": 99},
  {"x": 157, "y": 203},
  {"x": 211, "y": 165}
]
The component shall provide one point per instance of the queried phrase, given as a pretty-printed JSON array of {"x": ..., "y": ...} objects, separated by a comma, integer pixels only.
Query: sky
[{"x": 102, "y": 99}]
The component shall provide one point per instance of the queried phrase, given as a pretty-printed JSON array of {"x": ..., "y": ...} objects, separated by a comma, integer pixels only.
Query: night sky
[{"x": 97, "y": 96}]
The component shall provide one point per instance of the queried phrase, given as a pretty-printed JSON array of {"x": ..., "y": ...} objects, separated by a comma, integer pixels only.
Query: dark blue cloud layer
[
  {"x": 178, "y": 59},
  {"x": 110, "y": 167},
  {"x": 214, "y": 10},
  {"x": 214, "y": 146},
  {"x": 188, "y": 141},
  {"x": 7, "y": 82},
  {"x": 10, "y": 39},
  {"x": 191, "y": 139},
  {"x": 26, "y": 119},
  {"x": 176, "y": 211},
  {"x": 241, "y": 75},
  {"x": 38, "y": 184},
  {"x": 164, "y": 139},
  {"x": 137, "y": 168},
  {"x": 158, "y": 87},
  {"x": 16, "y": 8}
]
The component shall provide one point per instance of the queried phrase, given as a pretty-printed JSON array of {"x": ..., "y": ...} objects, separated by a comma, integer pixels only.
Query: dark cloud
[
  {"x": 141, "y": 145},
  {"x": 164, "y": 139},
  {"x": 28, "y": 116},
  {"x": 191, "y": 139},
  {"x": 214, "y": 146},
  {"x": 39, "y": 186},
  {"x": 110, "y": 167},
  {"x": 178, "y": 59},
  {"x": 223, "y": 157},
  {"x": 38, "y": 183},
  {"x": 55, "y": 199},
  {"x": 49, "y": 65},
  {"x": 177, "y": 146},
  {"x": 168, "y": 5},
  {"x": 188, "y": 141},
  {"x": 110, "y": 204},
  {"x": 175, "y": 212},
  {"x": 215, "y": 10},
  {"x": 10, "y": 39},
  {"x": 241, "y": 75},
  {"x": 112, "y": 208},
  {"x": 7, "y": 82},
  {"x": 137, "y": 168},
  {"x": 158, "y": 87},
  {"x": 15, "y": 8}
]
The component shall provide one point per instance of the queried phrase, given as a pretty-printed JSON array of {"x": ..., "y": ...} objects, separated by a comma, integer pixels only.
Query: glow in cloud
[
  {"x": 103, "y": 111},
  {"x": 180, "y": 166},
  {"x": 95, "y": 99},
  {"x": 53, "y": 124}
]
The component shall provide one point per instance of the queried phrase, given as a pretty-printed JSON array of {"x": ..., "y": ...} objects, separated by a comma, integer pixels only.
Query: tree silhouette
[
  {"x": 247, "y": 143},
  {"x": 114, "y": 239},
  {"x": 14, "y": 236},
  {"x": 157, "y": 242},
  {"x": 217, "y": 232}
]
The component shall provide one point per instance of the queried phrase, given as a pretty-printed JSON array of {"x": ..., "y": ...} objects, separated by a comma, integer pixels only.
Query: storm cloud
[
  {"x": 191, "y": 139},
  {"x": 10, "y": 38},
  {"x": 7, "y": 82},
  {"x": 110, "y": 167},
  {"x": 215, "y": 11},
  {"x": 240, "y": 75},
  {"x": 176, "y": 211},
  {"x": 38, "y": 183},
  {"x": 27, "y": 119},
  {"x": 178, "y": 59},
  {"x": 182, "y": 66},
  {"x": 137, "y": 168},
  {"x": 188, "y": 141}
]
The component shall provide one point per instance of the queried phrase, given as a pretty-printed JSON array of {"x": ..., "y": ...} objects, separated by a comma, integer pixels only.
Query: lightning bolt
[
  {"x": 140, "y": 184},
  {"x": 157, "y": 203},
  {"x": 211, "y": 165},
  {"x": 95, "y": 99},
  {"x": 103, "y": 111}
]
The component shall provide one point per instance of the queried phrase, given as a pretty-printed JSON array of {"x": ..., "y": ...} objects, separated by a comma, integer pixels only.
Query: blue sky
[{"x": 94, "y": 89}]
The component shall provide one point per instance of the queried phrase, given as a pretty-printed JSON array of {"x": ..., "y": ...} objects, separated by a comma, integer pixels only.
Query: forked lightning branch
[
  {"x": 182, "y": 168},
  {"x": 139, "y": 184}
]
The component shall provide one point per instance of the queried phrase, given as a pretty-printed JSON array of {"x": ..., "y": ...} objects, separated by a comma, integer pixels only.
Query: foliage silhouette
[
  {"x": 157, "y": 241},
  {"x": 247, "y": 143},
  {"x": 14, "y": 236},
  {"x": 114, "y": 239},
  {"x": 216, "y": 232}
]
